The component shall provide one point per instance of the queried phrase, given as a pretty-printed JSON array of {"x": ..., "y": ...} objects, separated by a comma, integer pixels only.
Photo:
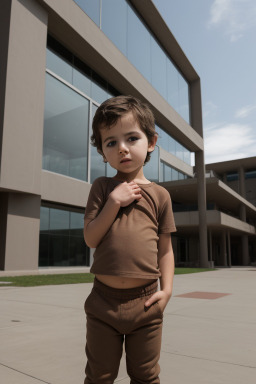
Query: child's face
[{"x": 125, "y": 145}]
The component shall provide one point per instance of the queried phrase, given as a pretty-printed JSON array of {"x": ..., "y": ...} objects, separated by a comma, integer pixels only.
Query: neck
[{"x": 136, "y": 176}]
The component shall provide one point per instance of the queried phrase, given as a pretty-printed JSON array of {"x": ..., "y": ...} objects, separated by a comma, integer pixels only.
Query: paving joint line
[
  {"x": 25, "y": 374},
  {"x": 211, "y": 360}
]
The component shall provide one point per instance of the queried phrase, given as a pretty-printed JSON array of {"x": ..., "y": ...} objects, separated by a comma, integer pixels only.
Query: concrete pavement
[{"x": 205, "y": 341}]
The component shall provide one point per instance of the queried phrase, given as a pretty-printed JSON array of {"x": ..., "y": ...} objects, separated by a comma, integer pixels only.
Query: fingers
[{"x": 153, "y": 299}]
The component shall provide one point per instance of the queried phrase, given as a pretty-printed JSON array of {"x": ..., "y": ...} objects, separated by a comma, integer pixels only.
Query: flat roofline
[{"x": 232, "y": 165}]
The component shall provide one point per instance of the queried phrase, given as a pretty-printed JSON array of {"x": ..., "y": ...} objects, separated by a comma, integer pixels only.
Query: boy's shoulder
[
  {"x": 103, "y": 183},
  {"x": 161, "y": 191}
]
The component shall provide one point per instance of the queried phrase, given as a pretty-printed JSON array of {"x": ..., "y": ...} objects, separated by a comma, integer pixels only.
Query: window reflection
[
  {"x": 91, "y": 8},
  {"x": 61, "y": 238},
  {"x": 65, "y": 130},
  {"x": 139, "y": 45},
  {"x": 151, "y": 168},
  {"x": 122, "y": 25},
  {"x": 114, "y": 22},
  {"x": 168, "y": 173}
]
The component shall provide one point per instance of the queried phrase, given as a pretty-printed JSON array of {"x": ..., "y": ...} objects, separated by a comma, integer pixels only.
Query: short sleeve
[
  {"x": 95, "y": 200},
  {"x": 166, "y": 222}
]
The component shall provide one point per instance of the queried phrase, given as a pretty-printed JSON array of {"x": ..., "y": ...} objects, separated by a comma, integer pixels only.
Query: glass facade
[
  {"x": 132, "y": 37},
  {"x": 167, "y": 173},
  {"x": 166, "y": 142},
  {"x": 65, "y": 130},
  {"x": 67, "y": 122},
  {"x": 61, "y": 238}
]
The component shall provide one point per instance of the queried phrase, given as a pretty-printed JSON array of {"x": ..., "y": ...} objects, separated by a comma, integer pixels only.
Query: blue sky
[{"x": 218, "y": 37}]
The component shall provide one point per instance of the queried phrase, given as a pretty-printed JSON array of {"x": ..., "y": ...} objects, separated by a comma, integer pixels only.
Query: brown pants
[{"x": 117, "y": 316}]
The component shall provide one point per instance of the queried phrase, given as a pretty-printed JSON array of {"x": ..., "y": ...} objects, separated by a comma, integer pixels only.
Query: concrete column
[
  {"x": 245, "y": 250},
  {"x": 201, "y": 193},
  {"x": 210, "y": 248},
  {"x": 223, "y": 249},
  {"x": 197, "y": 124},
  {"x": 3, "y": 225},
  {"x": 22, "y": 232},
  {"x": 241, "y": 178},
  {"x": 229, "y": 249}
]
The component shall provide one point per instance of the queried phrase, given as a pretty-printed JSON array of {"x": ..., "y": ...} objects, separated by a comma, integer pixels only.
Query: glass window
[
  {"x": 158, "y": 62},
  {"x": 59, "y": 221},
  {"x": 162, "y": 139},
  {"x": 175, "y": 174},
  {"x": 151, "y": 169},
  {"x": 171, "y": 145},
  {"x": 250, "y": 175},
  {"x": 179, "y": 151},
  {"x": 82, "y": 82},
  {"x": 44, "y": 218},
  {"x": 172, "y": 85},
  {"x": 183, "y": 99},
  {"x": 59, "y": 66},
  {"x": 187, "y": 157},
  {"x": 61, "y": 238},
  {"x": 114, "y": 22},
  {"x": 167, "y": 173},
  {"x": 99, "y": 94},
  {"x": 138, "y": 50},
  {"x": 65, "y": 130},
  {"x": 91, "y": 8},
  {"x": 98, "y": 167}
]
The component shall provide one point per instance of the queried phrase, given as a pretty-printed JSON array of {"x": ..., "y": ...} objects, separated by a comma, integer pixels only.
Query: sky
[{"x": 219, "y": 39}]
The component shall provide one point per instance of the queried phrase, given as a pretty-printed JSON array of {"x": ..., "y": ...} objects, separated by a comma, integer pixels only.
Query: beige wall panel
[
  {"x": 22, "y": 234},
  {"x": 231, "y": 222},
  {"x": 64, "y": 190},
  {"x": 24, "y": 98}
]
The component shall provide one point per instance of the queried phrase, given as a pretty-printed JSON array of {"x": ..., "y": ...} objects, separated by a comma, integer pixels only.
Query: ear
[{"x": 152, "y": 143}]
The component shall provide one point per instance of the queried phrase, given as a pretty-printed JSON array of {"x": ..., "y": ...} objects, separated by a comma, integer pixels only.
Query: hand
[
  {"x": 125, "y": 193},
  {"x": 161, "y": 297}
]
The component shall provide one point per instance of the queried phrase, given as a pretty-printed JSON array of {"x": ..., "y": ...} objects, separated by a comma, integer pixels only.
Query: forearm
[
  {"x": 166, "y": 266},
  {"x": 96, "y": 229}
]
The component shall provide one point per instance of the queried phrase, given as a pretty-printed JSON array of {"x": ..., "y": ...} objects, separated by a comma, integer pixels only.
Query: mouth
[{"x": 125, "y": 160}]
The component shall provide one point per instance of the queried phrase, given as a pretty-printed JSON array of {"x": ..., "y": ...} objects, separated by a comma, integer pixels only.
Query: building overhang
[
  {"x": 217, "y": 192},
  {"x": 232, "y": 165},
  {"x": 188, "y": 222}
]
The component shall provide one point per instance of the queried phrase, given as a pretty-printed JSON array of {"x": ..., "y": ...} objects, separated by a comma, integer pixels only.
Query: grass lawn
[{"x": 72, "y": 278}]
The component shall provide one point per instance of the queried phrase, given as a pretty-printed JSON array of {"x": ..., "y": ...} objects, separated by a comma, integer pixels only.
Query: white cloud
[
  {"x": 245, "y": 111},
  {"x": 229, "y": 142},
  {"x": 236, "y": 16}
]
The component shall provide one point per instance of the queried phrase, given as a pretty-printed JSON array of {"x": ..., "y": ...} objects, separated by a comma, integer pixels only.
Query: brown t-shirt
[{"x": 129, "y": 248}]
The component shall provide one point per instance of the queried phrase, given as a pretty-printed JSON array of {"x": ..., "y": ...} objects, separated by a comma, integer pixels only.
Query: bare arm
[
  {"x": 123, "y": 195},
  {"x": 166, "y": 266}
]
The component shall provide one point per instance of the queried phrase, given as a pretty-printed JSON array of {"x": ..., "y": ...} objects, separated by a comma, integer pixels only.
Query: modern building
[
  {"x": 59, "y": 60},
  {"x": 230, "y": 216}
]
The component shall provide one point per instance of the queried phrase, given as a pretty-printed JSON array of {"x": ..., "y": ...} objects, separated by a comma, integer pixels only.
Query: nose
[{"x": 123, "y": 148}]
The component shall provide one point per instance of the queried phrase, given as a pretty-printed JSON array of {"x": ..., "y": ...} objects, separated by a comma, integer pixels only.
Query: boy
[{"x": 128, "y": 220}]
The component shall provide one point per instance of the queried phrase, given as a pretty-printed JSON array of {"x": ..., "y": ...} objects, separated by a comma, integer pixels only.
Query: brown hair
[{"x": 113, "y": 109}]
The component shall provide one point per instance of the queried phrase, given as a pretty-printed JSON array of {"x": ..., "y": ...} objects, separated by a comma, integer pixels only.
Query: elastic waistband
[{"x": 126, "y": 294}]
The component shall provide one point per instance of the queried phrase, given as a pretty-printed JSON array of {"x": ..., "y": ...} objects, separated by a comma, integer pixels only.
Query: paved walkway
[{"x": 205, "y": 341}]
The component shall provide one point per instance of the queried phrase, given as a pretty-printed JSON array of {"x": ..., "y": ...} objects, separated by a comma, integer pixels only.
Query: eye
[
  {"x": 133, "y": 138},
  {"x": 111, "y": 143}
]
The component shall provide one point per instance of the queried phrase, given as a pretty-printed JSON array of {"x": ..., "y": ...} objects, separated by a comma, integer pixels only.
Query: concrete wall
[{"x": 22, "y": 136}]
